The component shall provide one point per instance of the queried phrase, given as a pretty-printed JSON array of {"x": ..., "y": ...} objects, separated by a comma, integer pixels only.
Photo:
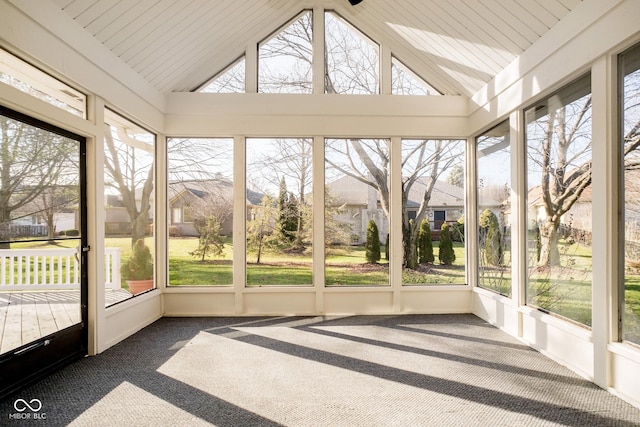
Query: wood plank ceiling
[{"x": 455, "y": 45}]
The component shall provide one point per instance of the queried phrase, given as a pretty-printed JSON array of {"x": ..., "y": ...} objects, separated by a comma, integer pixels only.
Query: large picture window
[
  {"x": 200, "y": 216},
  {"x": 433, "y": 212},
  {"x": 129, "y": 200},
  {"x": 494, "y": 230},
  {"x": 279, "y": 220},
  {"x": 630, "y": 70},
  {"x": 356, "y": 211},
  {"x": 558, "y": 135},
  {"x": 352, "y": 59},
  {"x": 284, "y": 60}
]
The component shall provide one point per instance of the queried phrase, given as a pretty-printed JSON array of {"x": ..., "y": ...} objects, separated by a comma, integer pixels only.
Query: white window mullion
[
  {"x": 519, "y": 212},
  {"x": 251, "y": 69},
  {"x": 318, "y": 273},
  {"x": 239, "y": 221},
  {"x": 318, "y": 51},
  {"x": 396, "y": 251},
  {"x": 385, "y": 70},
  {"x": 605, "y": 243}
]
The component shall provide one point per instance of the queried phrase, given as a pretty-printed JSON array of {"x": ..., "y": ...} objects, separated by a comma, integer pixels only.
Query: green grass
[
  {"x": 344, "y": 267},
  {"x": 631, "y": 317},
  {"x": 437, "y": 274},
  {"x": 565, "y": 291}
]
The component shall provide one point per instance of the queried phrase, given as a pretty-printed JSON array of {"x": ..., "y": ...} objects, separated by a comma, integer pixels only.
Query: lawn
[
  {"x": 565, "y": 291},
  {"x": 343, "y": 268}
]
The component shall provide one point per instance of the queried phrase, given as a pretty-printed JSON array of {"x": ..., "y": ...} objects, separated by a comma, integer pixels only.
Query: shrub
[
  {"x": 457, "y": 233},
  {"x": 425, "y": 246},
  {"x": 140, "y": 265},
  {"x": 372, "y": 246},
  {"x": 445, "y": 249},
  {"x": 490, "y": 237},
  {"x": 210, "y": 241}
]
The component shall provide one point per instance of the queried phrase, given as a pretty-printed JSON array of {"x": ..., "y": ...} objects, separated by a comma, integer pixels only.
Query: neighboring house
[
  {"x": 188, "y": 199},
  {"x": 30, "y": 220},
  {"x": 362, "y": 204},
  {"x": 579, "y": 217}
]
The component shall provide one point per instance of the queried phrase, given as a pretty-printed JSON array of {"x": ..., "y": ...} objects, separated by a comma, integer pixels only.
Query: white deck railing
[{"x": 38, "y": 269}]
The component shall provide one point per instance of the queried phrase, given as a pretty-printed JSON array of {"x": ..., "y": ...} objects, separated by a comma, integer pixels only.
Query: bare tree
[
  {"x": 427, "y": 161},
  {"x": 54, "y": 200},
  {"x": 560, "y": 147},
  {"x": 351, "y": 66},
  {"x": 31, "y": 160},
  {"x": 261, "y": 228},
  {"x": 561, "y": 153},
  {"x": 129, "y": 164},
  {"x": 291, "y": 159}
]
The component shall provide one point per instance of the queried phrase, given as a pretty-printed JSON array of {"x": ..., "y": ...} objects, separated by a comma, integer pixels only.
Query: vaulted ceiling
[{"x": 455, "y": 45}]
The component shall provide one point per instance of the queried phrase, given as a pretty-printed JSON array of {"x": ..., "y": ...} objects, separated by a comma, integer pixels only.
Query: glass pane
[
  {"x": 129, "y": 213},
  {"x": 39, "y": 233},
  {"x": 631, "y": 133},
  {"x": 405, "y": 82},
  {"x": 356, "y": 212},
  {"x": 279, "y": 183},
  {"x": 200, "y": 215},
  {"x": 351, "y": 59},
  {"x": 558, "y": 134},
  {"x": 433, "y": 212},
  {"x": 285, "y": 59},
  {"x": 231, "y": 80},
  {"x": 494, "y": 229},
  {"x": 29, "y": 79}
]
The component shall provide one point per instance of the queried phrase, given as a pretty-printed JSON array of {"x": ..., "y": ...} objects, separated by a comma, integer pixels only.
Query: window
[
  {"x": 200, "y": 196},
  {"x": 176, "y": 218},
  {"x": 405, "y": 82},
  {"x": 630, "y": 70},
  {"x": 352, "y": 63},
  {"x": 558, "y": 134},
  {"x": 285, "y": 59},
  {"x": 352, "y": 60},
  {"x": 356, "y": 211},
  {"x": 129, "y": 194},
  {"x": 230, "y": 80},
  {"x": 28, "y": 79},
  {"x": 433, "y": 211},
  {"x": 494, "y": 190},
  {"x": 279, "y": 234}
]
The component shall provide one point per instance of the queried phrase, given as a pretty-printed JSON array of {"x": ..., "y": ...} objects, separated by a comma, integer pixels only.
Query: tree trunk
[
  {"x": 549, "y": 237},
  {"x": 139, "y": 228},
  {"x": 409, "y": 238},
  {"x": 259, "y": 248}
]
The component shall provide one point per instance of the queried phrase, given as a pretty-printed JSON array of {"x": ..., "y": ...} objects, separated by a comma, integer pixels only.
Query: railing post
[{"x": 115, "y": 269}]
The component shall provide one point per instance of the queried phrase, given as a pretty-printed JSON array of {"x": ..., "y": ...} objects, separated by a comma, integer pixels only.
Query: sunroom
[{"x": 318, "y": 158}]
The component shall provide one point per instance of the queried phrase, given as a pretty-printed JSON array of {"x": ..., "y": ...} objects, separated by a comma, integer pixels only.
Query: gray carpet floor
[{"x": 418, "y": 370}]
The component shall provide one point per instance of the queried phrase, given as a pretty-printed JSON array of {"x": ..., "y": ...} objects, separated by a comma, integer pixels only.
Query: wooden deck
[{"x": 27, "y": 316}]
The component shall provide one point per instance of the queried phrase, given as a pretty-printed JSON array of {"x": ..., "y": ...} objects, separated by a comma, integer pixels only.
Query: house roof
[
  {"x": 354, "y": 192},
  {"x": 176, "y": 45},
  {"x": 204, "y": 187}
]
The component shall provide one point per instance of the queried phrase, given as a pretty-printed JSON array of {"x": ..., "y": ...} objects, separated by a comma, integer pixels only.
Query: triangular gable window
[
  {"x": 352, "y": 59},
  {"x": 285, "y": 59},
  {"x": 405, "y": 82},
  {"x": 230, "y": 80}
]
